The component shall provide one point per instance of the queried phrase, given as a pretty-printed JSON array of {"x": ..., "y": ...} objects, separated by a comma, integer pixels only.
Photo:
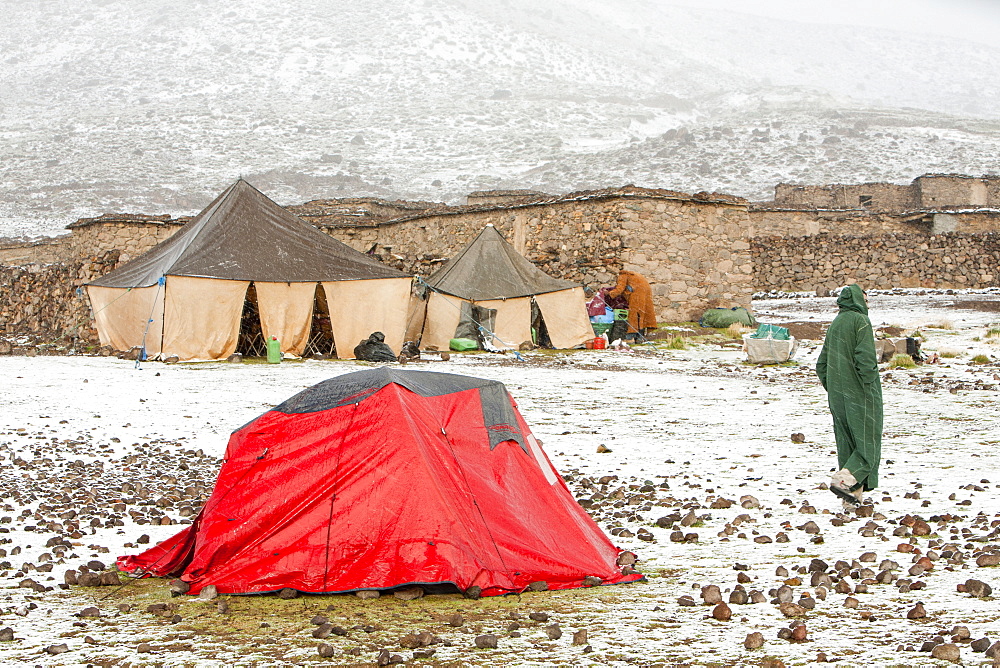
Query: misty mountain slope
[{"x": 157, "y": 106}]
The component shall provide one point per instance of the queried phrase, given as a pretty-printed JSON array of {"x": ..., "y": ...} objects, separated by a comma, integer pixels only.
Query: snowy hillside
[{"x": 155, "y": 107}]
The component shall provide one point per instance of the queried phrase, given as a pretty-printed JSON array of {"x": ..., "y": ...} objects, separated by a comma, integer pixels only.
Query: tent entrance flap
[
  {"x": 286, "y": 311},
  {"x": 125, "y": 315},
  {"x": 566, "y": 318},
  {"x": 358, "y": 308},
  {"x": 443, "y": 315},
  {"x": 202, "y": 317},
  {"x": 513, "y": 321}
]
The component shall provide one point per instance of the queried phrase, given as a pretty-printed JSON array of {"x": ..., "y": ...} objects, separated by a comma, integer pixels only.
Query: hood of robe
[{"x": 852, "y": 298}]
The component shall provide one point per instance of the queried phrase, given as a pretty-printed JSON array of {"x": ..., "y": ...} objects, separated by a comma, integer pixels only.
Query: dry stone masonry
[{"x": 823, "y": 262}]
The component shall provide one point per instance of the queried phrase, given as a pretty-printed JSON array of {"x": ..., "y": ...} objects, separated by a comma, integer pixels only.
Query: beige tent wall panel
[
  {"x": 565, "y": 314},
  {"x": 202, "y": 317},
  {"x": 415, "y": 314},
  {"x": 513, "y": 323},
  {"x": 286, "y": 312},
  {"x": 358, "y": 308},
  {"x": 122, "y": 315},
  {"x": 443, "y": 314}
]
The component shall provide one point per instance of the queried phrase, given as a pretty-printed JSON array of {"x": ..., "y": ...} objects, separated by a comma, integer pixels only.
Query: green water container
[{"x": 273, "y": 350}]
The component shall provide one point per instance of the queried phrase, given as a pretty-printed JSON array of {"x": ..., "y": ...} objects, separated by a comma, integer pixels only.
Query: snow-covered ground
[{"x": 90, "y": 445}]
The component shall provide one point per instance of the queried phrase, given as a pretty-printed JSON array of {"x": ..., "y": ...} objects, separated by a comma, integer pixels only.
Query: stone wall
[
  {"x": 802, "y": 222},
  {"x": 41, "y": 305},
  {"x": 694, "y": 253},
  {"x": 945, "y": 190},
  {"x": 131, "y": 238},
  {"x": 504, "y": 197},
  {"x": 930, "y": 191},
  {"x": 52, "y": 249},
  {"x": 823, "y": 262},
  {"x": 873, "y": 196}
]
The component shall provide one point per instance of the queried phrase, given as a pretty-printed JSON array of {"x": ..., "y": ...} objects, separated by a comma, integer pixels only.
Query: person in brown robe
[{"x": 641, "y": 312}]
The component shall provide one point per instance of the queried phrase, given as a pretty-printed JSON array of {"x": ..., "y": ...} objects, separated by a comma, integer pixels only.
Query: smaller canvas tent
[
  {"x": 490, "y": 275},
  {"x": 383, "y": 478},
  {"x": 186, "y": 295}
]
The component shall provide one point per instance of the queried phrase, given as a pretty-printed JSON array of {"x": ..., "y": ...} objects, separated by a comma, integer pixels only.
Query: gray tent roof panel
[
  {"x": 489, "y": 268},
  {"x": 244, "y": 235}
]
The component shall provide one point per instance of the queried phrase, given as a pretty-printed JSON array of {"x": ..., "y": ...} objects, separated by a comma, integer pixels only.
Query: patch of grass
[
  {"x": 980, "y": 359},
  {"x": 992, "y": 332},
  {"x": 736, "y": 330},
  {"x": 944, "y": 324},
  {"x": 902, "y": 361},
  {"x": 676, "y": 343},
  {"x": 949, "y": 354}
]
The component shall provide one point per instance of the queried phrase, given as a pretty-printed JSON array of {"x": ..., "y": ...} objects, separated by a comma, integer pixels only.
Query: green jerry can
[{"x": 273, "y": 350}]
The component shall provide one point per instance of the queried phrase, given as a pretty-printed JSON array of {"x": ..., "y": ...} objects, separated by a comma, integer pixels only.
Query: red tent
[{"x": 383, "y": 478}]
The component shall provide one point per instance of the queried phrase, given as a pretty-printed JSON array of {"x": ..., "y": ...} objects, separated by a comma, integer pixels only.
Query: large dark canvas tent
[
  {"x": 186, "y": 295},
  {"x": 489, "y": 273},
  {"x": 382, "y": 478}
]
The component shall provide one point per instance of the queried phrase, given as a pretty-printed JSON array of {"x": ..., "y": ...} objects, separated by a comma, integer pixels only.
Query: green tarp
[{"x": 724, "y": 317}]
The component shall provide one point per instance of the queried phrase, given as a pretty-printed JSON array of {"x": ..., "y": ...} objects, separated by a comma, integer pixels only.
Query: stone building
[{"x": 693, "y": 248}]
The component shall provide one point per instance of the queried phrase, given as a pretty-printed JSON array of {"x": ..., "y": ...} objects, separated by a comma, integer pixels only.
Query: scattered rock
[
  {"x": 980, "y": 645},
  {"x": 553, "y": 632},
  {"x": 792, "y": 610},
  {"x": 947, "y": 652},
  {"x": 580, "y": 637},
  {"x": 987, "y": 560},
  {"x": 917, "y": 612},
  {"x": 57, "y": 649},
  {"x": 179, "y": 587},
  {"x": 977, "y": 588},
  {"x": 754, "y": 640},
  {"x": 208, "y": 593},
  {"x": 324, "y": 650},
  {"x": 711, "y": 594},
  {"x": 722, "y": 612},
  {"x": 487, "y": 641},
  {"x": 288, "y": 593}
]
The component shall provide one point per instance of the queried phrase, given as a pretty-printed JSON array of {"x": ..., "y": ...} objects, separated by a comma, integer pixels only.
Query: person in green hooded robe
[{"x": 848, "y": 369}]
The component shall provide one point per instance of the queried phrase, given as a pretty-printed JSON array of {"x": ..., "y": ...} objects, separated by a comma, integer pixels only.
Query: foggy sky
[{"x": 973, "y": 19}]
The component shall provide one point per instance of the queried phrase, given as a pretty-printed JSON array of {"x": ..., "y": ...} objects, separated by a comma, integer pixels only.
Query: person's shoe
[{"x": 841, "y": 484}]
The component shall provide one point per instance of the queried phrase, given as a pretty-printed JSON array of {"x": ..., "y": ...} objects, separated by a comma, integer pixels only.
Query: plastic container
[
  {"x": 621, "y": 314},
  {"x": 600, "y": 327},
  {"x": 599, "y": 343},
  {"x": 273, "y": 350}
]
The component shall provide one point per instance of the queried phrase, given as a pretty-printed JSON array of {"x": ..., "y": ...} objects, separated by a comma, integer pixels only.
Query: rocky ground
[{"x": 711, "y": 470}]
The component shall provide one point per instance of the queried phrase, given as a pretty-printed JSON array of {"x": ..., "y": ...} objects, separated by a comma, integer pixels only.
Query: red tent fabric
[{"x": 383, "y": 478}]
